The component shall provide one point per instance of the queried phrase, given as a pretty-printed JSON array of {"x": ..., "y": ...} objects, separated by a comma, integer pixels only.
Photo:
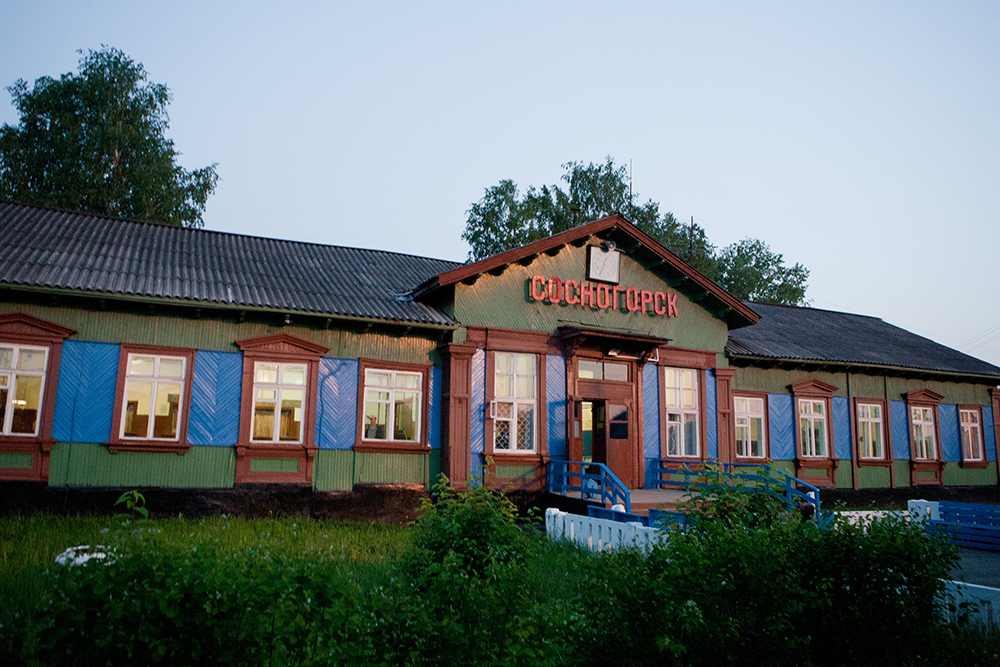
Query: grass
[{"x": 29, "y": 545}]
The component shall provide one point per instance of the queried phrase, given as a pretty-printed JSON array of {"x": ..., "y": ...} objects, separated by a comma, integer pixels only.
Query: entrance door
[{"x": 606, "y": 434}]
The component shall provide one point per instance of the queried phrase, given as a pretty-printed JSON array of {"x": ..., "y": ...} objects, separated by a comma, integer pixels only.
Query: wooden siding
[
  {"x": 371, "y": 468},
  {"x": 515, "y": 472},
  {"x": 88, "y": 464},
  {"x": 843, "y": 478},
  {"x": 340, "y": 470},
  {"x": 956, "y": 475},
  {"x": 776, "y": 380},
  {"x": 504, "y": 301},
  {"x": 873, "y": 477},
  {"x": 19, "y": 461},
  {"x": 208, "y": 333}
]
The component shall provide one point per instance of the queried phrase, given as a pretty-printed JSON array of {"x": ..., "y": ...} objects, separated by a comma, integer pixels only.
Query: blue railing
[
  {"x": 593, "y": 481},
  {"x": 702, "y": 476}
]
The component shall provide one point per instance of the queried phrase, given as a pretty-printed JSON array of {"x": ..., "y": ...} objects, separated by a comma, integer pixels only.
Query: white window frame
[
  {"x": 867, "y": 424},
  {"x": 808, "y": 447},
  {"x": 744, "y": 414},
  {"x": 516, "y": 402},
  {"x": 279, "y": 388},
  {"x": 922, "y": 420},
  {"x": 155, "y": 379},
  {"x": 972, "y": 434},
  {"x": 390, "y": 426},
  {"x": 677, "y": 412},
  {"x": 11, "y": 375}
]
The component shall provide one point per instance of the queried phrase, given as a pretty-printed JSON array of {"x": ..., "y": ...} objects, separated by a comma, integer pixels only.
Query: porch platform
[{"x": 645, "y": 499}]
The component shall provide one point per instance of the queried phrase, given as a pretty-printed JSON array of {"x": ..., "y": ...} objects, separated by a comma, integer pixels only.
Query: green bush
[{"x": 744, "y": 583}]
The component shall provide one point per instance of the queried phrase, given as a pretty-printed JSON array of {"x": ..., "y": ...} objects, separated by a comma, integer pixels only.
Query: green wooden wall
[
  {"x": 777, "y": 381},
  {"x": 504, "y": 301},
  {"x": 208, "y": 333},
  {"x": 90, "y": 464}
]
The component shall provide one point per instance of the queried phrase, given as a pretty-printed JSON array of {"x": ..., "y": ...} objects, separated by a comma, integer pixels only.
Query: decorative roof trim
[
  {"x": 282, "y": 343},
  {"x": 557, "y": 241},
  {"x": 21, "y": 324}
]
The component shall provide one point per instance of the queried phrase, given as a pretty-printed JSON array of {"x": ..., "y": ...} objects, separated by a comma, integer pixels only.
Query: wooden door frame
[{"x": 580, "y": 390}]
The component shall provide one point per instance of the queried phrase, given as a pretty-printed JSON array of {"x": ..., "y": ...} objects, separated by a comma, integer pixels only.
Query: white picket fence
[
  {"x": 605, "y": 535},
  {"x": 597, "y": 534}
]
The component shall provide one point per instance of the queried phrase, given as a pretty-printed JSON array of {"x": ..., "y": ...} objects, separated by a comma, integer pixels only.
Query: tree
[
  {"x": 750, "y": 271},
  {"x": 504, "y": 219},
  {"x": 94, "y": 142}
]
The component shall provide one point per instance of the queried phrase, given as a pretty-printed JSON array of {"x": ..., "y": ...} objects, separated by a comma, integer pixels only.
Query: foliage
[
  {"x": 94, "y": 142},
  {"x": 749, "y": 270},
  {"x": 472, "y": 530},
  {"x": 744, "y": 583},
  {"x": 505, "y": 219},
  {"x": 134, "y": 502}
]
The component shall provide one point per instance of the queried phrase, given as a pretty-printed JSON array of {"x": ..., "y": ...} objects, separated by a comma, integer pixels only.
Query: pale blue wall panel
[
  {"x": 85, "y": 397},
  {"x": 434, "y": 410},
  {"x": 989, "y": 435},
  {"x": 841, "y": 408},
  {"x": 337, "y": 403},
  {"x": 951, "y": 436},
  {"x": 900, "y": 431},
  {"x": 781, "y": 426},
  {"x": 215, "y": 398},
  {"x": 555, "y": 396},
  {"x": 651, "y": 410},
  {"x": 478, "y": 405}
]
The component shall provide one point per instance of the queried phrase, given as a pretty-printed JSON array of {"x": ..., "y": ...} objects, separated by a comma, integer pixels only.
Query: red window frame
[
  {"x": 280, "y": 349},
  {"x": 179, "y": 446},
  {"x": 422, "y": 445},
  {"x": 24, "y": 329},
  {"x": 767, "y": 439}
]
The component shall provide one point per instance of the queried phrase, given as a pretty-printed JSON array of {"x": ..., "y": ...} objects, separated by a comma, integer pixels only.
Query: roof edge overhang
[
  {"x": 219, "y": 305},
  {"x": 861, "y": 367},
  {"x": 735, "y": 312}
]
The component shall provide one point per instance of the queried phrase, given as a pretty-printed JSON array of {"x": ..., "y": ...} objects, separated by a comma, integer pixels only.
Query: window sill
[
  {"x": 875, "y": 463},
  {"x": 515, "y": 458},
  {"x": 154, "y": 446},
  {"x": 974, "y": 464},
  {"x": 369, "y": 447}
]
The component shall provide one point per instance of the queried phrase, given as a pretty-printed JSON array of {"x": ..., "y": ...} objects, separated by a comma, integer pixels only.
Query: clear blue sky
[{"x": 861, "y": 139}]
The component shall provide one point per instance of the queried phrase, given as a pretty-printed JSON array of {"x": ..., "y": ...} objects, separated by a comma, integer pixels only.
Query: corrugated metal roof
[
  {"x": 809, "y": 334},
  {"x": 51, "y": 248}
]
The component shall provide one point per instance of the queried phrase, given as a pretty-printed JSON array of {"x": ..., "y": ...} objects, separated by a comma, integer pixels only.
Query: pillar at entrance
[{"x": 456, "y": 412}]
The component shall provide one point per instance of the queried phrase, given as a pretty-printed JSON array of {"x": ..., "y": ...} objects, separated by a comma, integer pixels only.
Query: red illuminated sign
[{"x": 605, "y": 297}]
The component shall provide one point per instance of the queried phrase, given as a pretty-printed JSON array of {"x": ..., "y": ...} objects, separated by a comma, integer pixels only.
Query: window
[
  {"x": 812, "y": 428},
  {"x": 871, "y": 440},
  {"x": 926, "y": 464},
  {"x": 751, "y": 437},
  {"x": 278, "y": 409},
  {"x": 279, "y": 392},
  {"x": 590, "y": 369},
  {"x": 922, "y": 433},
  {"x": 393, "y": 403},
  {"x": 514, "y": 402},
  {"x": 680, "y": 399},
  {"x": 972, "y": 434},
  {"x": 30, "y": 350},
  {"x": 22, "y": 384},
  {"x": 154, "y": 388},
  {"x": 152, "y": 399}
]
